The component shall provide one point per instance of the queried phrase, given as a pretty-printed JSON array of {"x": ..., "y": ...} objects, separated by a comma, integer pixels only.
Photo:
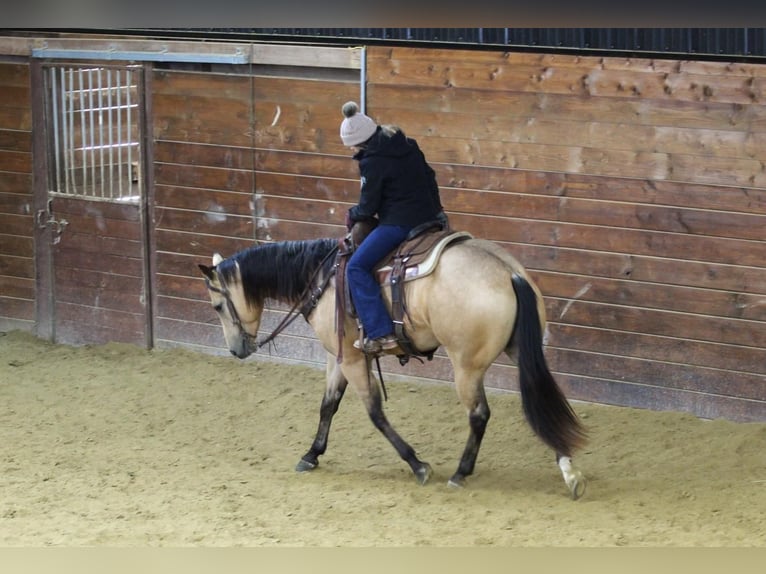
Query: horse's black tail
[{"x": 545, "y": 406}]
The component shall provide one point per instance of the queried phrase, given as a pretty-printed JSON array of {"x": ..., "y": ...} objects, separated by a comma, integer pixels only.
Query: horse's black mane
[{"x": 279, "y": 270}]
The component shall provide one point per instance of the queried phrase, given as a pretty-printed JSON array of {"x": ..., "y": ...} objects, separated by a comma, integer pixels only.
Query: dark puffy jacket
[{"x": 398, "y": 185}]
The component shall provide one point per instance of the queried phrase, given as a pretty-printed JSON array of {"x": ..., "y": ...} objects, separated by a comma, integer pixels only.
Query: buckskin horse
[{"x": 476, "y": 303}]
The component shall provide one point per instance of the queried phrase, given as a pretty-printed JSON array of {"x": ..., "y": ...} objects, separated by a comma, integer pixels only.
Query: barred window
[{"x": 94, "y": 132}]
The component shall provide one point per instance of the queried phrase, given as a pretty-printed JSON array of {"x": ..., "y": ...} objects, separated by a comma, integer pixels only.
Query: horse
[{"x": 478, "y": 302}]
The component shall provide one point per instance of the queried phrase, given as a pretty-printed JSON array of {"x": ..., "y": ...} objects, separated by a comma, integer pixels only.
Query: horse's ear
[
  {"x": 217, "y": 258},
  {"x": 208, "y": 272}
]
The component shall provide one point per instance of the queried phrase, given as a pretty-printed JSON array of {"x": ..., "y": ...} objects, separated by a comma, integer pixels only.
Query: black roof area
[{"x": 706, "y": 42}]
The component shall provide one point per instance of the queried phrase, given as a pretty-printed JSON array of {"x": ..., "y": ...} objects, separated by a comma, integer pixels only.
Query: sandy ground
[{"x": 114, "y": 445}]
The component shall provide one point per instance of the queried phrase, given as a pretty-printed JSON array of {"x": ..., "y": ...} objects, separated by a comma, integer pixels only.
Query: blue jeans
[{"x": 364, "y": 287}]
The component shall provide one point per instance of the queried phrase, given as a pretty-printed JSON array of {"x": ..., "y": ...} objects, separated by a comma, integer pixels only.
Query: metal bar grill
[{"x": 95, "y": 146}]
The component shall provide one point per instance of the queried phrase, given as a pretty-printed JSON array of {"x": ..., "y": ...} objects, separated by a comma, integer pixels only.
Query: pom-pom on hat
[{"x": 356, "y": 127}]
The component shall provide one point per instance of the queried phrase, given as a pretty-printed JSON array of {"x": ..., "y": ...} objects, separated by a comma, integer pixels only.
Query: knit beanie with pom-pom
[{"x": 356, "y": 127}]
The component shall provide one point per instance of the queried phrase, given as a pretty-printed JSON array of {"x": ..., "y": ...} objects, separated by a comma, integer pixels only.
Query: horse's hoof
[
  {"x": 457, "y": 481},
  {"x": 423, "y": 473},
  {"x": 305, "y": 466},
  {"x": 577, "y": 486}
]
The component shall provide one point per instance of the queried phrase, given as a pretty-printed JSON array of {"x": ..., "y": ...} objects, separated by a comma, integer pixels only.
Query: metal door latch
[{"x": 46, "y": 219}]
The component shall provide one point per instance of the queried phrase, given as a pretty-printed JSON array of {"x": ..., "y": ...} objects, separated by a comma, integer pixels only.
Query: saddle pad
[{"x": 421, "y": 268}]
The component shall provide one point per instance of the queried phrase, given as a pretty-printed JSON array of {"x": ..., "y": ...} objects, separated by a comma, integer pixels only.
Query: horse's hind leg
[
  {"x": 336, "y": 386},
  {"x": 470, "y": 390},
  {"x": 573, "y": 478}
]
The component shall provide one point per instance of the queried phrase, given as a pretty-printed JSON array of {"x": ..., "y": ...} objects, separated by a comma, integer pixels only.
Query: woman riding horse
[{"x": 400, "y": 189}]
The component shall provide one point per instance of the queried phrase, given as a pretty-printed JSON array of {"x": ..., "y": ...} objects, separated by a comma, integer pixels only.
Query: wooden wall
[
  {"x": 239, "y": 157},
  {"x": 634, "y": 191},
  {"x": 17, "y": 268}
]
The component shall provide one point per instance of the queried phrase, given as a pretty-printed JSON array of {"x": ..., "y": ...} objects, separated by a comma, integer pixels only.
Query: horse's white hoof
[{"x": 577, "y": 484}]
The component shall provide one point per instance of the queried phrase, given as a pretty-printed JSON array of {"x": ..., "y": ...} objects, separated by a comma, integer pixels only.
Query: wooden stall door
[{"x": 91, "y": 226}]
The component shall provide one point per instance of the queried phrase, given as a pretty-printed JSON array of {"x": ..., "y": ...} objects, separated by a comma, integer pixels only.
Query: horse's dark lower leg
[
  {"x": 477, "y": 421},
  {"x": 330, "y": 403},
  {"x": 422, "y": 470}
]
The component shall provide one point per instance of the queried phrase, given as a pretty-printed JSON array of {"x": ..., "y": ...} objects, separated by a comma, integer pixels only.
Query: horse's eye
[{"x": 218, "y": 308}]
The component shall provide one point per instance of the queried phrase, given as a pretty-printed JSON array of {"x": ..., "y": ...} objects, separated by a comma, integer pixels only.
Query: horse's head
[{"x": 239, "y": 317}]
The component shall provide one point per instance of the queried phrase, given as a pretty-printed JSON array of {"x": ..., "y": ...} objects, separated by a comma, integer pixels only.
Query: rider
[{"x": 399, "y": 187}]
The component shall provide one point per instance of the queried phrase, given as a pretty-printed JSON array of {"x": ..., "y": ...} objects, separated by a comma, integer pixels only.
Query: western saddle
[{"x": 415, "y": 257}]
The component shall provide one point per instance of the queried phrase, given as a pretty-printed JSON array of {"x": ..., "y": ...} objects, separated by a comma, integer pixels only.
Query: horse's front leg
[
  {"x": 336, "y": 386},
  {"x": 369, "y": 391}
]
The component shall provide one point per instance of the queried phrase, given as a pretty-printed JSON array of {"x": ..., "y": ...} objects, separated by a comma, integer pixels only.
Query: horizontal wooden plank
[
  {"x": 187, "y": 332},
  {"x": 208, "y": 223},
  {"x": 96, "y": 225},
  {"x": 573, "y": 132},
  {"x": 645, "y": 191},
  {"x": 18, "y": 141},
  {"x": 106, "y": 263},
  {"x": 17, "y": 119},
  {"x": 209, "y": 200},
  {"x": 189, "y": 287},
  {"x": 96, "y": 209},
  {"x": 186, "y": 310},
  {"x": 613, "y": 214},
  {"x": 94, "y": 245},
  {"x": 627, "y": 241},
  {"x": 14, "y": 74},
  {"x": 17, "y": 287},
  {"x": 205, "y": 86},
  {"x": 307, "y": 187},
  {"x": 622, "y": 393},
  {"x": 665, "y": 375},
  {"x": 581, "y": 76},
  {"x": 208, "y": 125},
  {"x": 16, "y": 324},
  {"x": 652, "y": 347},
  {"x": 316, "y": 56},
  {"x": 193, "y": 154},
  {"x": 16, "y": 161},
  {"x": 738, "y": 172},
  {"x": 298, "y": 127},
  {"x": 299, "y": 209},
  {"x": 16, "y": 246},
  {"x": 16, "y": 184},
  {"x": 15, "y": 203},
  {"x": 172, "y": 243},
  {"x": 92, "y": 280},
  {"x": 718, "y": 303},
  {"x": 323, "y": 95},
  {"x": 124, "y": 299},
  {"x": 577, "y": 61},
  {"x": 200, "y": 177},
  {"x": 553, "y": 106},
  {"x": 95, "y": 316},
  {"x": 16, "y": 308},
  {"x": 643, "y": 269},
  {"x": 320, "y": 165},
  {"x": 620, "y": 318},
  {"x": 278, "y": 230},
  {"x": 75, "y": 332},
  {"x": 22, "y": 267}
]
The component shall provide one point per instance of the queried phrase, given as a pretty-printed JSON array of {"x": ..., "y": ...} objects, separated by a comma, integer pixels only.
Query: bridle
[
  {"x": 252, "y": 342},
  {"x": 304, "y": 306}
]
